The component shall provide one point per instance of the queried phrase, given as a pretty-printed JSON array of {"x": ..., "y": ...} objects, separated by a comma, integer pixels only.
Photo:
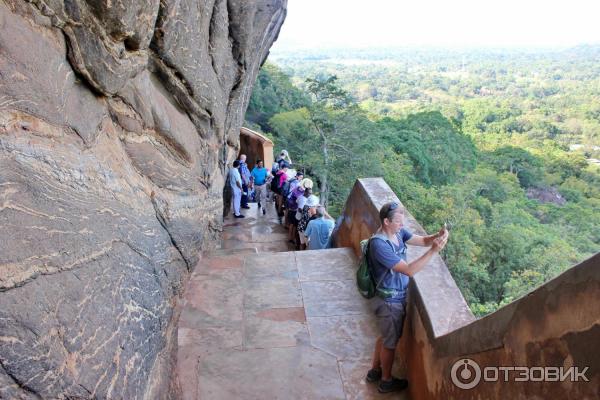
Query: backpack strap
[{"x": 384, "y": 238}]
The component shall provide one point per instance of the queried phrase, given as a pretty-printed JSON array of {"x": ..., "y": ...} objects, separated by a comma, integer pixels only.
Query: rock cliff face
[{"x": 117, "y": 118}]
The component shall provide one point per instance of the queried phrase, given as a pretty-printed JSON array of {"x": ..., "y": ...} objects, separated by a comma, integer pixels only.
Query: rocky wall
[{"x": 117, "y": 119}]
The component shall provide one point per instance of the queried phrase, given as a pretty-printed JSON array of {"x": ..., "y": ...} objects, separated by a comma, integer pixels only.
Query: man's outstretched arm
[
  {"x": 426, "y": 241},
  {"x": 415, "y": 266}
]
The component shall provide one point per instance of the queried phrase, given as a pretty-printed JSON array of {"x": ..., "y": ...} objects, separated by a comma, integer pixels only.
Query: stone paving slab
[
  {"x": 272, "y": 292},
  {"x": 280, "y": 373},
  {"x": 313, "y": 266},
  {"x": 278, "y": 327},
  {"x": 195, "y": 344},
  {"x": 256, "y": 230},
  {"x": 214, "y": 301},
  {"x": 265, "y": 325},
  {"x": 330, "y": 298},
  {"x": 271, "y": 265},
  {"x": 346, "y": 337},
  {"x": 218, "y": 265}
]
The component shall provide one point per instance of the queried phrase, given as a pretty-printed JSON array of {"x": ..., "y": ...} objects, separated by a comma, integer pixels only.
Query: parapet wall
[{"x": 555, "y": 326}]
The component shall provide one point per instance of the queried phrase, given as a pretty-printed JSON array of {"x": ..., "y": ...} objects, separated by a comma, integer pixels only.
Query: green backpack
[{"x": 365, "y": 281}]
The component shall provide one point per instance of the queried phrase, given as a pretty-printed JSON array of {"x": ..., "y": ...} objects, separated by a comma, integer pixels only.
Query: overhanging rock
[{"x": 116, "y": 122}]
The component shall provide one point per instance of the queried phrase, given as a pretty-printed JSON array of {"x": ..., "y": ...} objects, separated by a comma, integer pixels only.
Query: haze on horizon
[{"x": 318, "y": 24}]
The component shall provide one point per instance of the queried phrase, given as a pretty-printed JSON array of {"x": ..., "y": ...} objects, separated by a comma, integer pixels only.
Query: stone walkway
[{"x": 265, "y": 325}]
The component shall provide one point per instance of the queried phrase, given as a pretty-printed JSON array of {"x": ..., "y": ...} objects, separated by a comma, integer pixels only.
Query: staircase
[{"x": 262, "y": 322}]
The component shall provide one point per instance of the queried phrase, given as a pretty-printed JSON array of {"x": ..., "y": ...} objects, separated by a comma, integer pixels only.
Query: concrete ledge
[
  {"x": 556, "y": 325},
  {"x": 434, "y": 291}
]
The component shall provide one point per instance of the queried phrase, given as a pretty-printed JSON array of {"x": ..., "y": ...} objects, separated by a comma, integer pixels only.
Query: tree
[
  {"x": 440, "y": 154},
  {"x": 273, "y": 93},
  {"x": 330, "y": 110},
  {"x": 520, "y": 162},
  {"x": 332, "y": 137}
]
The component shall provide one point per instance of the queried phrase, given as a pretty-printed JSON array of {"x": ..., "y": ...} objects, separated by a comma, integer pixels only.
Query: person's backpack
[
  {"x": 291, "y": 202},
  {"x": 365, "y": 280},
  {"x": 275, "y": 183},
  {"x": 285, "y": 189}
]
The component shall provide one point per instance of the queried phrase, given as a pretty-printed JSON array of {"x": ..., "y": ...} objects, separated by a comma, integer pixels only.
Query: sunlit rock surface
[{"x": 116, "y": 121}]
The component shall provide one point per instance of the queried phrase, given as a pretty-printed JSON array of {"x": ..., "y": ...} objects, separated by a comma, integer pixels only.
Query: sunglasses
[{"x": 391, "y": 208}]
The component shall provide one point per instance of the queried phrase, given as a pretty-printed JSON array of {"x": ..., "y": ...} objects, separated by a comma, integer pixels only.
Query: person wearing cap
[
  {"x": 391, "y": 271},
  {"x": 258, "y": 179},
  {"x": 319, "y": 229}
]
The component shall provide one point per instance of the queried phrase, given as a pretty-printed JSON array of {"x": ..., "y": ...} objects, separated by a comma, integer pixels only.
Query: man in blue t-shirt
[
  {"x": 391, "y": 272},
  {"x": 319, "y": 230},
  {"x": 259, "y": 180}
]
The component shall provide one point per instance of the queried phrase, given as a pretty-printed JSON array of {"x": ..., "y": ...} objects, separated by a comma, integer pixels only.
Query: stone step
[
  {"x": 256, "y": 231},
  {"x": 228, "y": 252}
]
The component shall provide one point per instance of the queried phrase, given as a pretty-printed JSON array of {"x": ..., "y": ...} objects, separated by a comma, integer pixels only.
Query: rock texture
[{"x": 117, "y": 119}]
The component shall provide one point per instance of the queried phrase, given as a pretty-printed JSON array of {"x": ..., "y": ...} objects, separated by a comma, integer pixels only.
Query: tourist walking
[{"x": 258, "y": 178}]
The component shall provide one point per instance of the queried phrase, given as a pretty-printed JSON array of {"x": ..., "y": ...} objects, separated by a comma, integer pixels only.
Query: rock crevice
[{"x": 116, "y": 121}]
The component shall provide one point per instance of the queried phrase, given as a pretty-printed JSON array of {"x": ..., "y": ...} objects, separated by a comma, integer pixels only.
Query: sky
[{"x": 439, "y": 23}]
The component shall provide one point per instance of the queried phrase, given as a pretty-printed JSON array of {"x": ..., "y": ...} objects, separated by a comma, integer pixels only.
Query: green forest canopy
[{"x": 479, "y": 139}]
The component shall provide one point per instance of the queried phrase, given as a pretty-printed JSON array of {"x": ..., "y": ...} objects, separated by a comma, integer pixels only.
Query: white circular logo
[{"x": 465, "y": 373}]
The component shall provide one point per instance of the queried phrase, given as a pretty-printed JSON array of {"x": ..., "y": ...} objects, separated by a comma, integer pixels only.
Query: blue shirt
[
  {"x": 382, "y": 257},
  {"x": 259, "y": 175},
  {"x": 244, "y": 172},
  {"x": 318, "y": 232}
]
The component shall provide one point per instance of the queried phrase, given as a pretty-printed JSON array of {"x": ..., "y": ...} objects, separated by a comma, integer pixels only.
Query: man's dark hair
[
  {"x": 236, "y": 164},
  {"x": 258, "y": 161}
]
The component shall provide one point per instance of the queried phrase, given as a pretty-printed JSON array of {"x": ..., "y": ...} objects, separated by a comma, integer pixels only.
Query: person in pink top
[{"x": 281, "y": 178}]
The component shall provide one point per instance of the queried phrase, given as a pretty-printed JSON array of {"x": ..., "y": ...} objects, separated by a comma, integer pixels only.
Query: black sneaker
[
  {"x": 374, "y": 375},
  {"x": 239, "y": 216},
  {"x": 264, "y": 211},
  {"x": 395, "y": 385}
]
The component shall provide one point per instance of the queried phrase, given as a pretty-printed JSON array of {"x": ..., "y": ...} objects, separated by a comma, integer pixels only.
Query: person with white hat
[
  {"x": 285, "y": 156},
  {"x": 309, "y": 204}
]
